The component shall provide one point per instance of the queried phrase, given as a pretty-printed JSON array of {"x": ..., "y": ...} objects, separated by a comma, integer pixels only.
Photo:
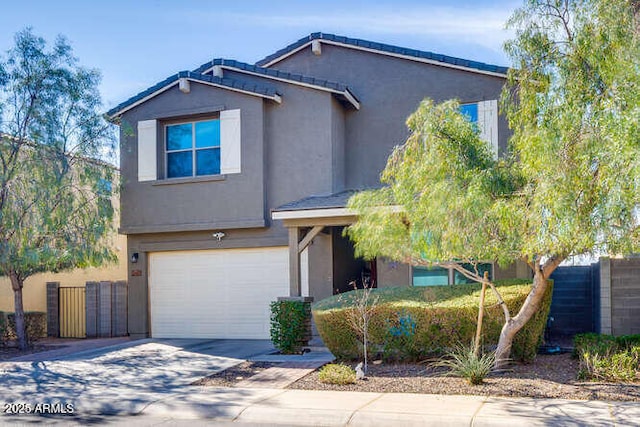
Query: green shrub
[
  {"x": 334, "y": 373},
  {"x": 463, "y": 362},
  {"x": 609, "y": 358},
  {"x": 3, "y": 327},
  {"x": 35, "y": 325},
  {"x": 290, "y": 325},
  {"x": 411, "y": 323}
]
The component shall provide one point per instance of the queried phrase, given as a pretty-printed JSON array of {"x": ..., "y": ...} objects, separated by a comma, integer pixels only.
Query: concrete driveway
[{"x": 123, "y": 378}]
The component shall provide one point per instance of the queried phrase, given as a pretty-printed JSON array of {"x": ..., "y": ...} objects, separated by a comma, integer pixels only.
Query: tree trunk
[
  {"x": 529, "y": 308},
  {"x": 17, "y": 284},
  {"x": 476, "y": 343}
]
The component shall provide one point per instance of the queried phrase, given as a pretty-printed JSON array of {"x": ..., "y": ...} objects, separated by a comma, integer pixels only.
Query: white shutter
[
  {"x": 147, "y": 158},
  {"x": 488, "y": 123},
  {"x": 230, "y": 141}
]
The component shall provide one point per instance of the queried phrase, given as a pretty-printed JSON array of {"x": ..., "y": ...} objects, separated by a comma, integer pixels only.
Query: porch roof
[{"x": 318, "y": 206}]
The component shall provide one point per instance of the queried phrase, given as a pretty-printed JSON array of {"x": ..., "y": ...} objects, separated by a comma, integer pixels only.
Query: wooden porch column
[
  {"x": 296, "y": 246},
  {"x": 294, "y": 262}
]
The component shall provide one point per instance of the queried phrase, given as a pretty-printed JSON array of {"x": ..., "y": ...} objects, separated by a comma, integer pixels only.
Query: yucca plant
[{"x": 463, "y": 362}]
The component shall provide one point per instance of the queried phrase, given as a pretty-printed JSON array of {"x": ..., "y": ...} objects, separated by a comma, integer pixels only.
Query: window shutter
[
  {"x": 147, "y": 157},
  {"x": 488, "y": 123},
  {"x": 230, "y": 141}
]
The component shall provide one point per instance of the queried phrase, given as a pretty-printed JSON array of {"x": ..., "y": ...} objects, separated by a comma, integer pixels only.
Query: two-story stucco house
[{"x": 236, "y": 177}]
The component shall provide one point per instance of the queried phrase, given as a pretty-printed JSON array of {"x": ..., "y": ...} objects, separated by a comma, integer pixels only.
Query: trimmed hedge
[
  {"x": 411, "y": 323},
  {"x": 35, "y": 325}
]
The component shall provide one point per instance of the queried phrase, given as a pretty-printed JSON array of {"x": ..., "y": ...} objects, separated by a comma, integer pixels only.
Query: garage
[{"x": 222, "y": 293}]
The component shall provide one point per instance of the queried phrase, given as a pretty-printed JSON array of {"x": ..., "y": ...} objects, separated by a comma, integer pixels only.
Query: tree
[
  {"x": 55, "y": 195},
  {"x": 359, "y": 317},
  {"x": 570, "y": 184}
]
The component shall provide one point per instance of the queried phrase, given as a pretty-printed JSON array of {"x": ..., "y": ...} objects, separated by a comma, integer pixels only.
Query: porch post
[{"x": 294, "y": 262}]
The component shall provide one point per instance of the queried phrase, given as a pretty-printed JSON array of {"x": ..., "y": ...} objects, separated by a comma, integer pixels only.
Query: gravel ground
[
  {"x": 235, "y": 374},
  {"x": 550, "y": 376}
]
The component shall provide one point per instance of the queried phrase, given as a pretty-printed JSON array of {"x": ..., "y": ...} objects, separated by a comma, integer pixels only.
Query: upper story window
[
  {"x": 471, "y": 111},
  {"x": 484, "y": 115},
  {"x": 192, "y": 149}
]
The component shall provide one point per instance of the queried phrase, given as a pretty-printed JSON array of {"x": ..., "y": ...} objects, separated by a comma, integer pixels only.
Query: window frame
[
  {"x": 451, "y": 276},
  {"x": 193, "y": 149}
]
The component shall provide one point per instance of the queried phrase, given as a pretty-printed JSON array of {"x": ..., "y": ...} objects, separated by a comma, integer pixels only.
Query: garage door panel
[{"x": 216, "y": 293}]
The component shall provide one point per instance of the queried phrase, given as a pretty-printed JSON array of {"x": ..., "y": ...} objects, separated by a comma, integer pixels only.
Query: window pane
[
  {"x": 471, "y": 111},
  {"x": 459, "y": 279},
  {"x": 208, "y": 134},
  {"x": 430, "y": 276},
  {"x": 208, "y": 162},
  {"x": 179, "y": 164},
  {"x": 179, "y": 137}
]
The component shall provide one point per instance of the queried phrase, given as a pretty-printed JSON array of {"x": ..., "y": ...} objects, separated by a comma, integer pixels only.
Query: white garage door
[{"x": 216, "y": 293}]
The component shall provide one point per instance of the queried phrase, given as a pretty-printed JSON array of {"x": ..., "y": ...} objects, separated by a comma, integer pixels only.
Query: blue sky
[{"x": 137, "y": 43}]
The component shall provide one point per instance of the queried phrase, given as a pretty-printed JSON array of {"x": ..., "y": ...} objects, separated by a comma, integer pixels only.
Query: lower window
[
  {"x": 430, "y": 276},
  {"x": 437, "y": 276}
]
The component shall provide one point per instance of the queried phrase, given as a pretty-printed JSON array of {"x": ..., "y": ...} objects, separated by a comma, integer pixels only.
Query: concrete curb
[{"x": 331, "y": 408}]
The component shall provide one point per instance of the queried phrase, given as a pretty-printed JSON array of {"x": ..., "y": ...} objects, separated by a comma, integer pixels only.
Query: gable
[
  {"x": 183, "y": 80},
  {"x": 315, "y": 41}
]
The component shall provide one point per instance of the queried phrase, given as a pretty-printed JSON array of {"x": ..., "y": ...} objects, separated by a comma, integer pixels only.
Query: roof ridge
[{"x": 385, "y": 48}]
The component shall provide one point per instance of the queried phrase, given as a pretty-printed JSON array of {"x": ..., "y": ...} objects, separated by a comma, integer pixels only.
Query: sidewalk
[
  {"x": 331, "y": 408},
  {"x": 152, "y": 389}
]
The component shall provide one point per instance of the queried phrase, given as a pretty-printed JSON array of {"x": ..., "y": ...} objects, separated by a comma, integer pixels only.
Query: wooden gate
[{"x": 72, "y": 312}]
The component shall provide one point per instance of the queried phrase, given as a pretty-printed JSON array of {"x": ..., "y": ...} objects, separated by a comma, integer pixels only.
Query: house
[{"x": 236, "y": 177}]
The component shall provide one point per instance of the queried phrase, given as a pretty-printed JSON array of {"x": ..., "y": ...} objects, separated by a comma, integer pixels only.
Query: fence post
[
  {"x": 91, "y": 307},
  {"x": 104, "y": 309},
  {"x": 119, "y": 309},
  {"x": 605, "y": 296},
  {"x": 53, "y": 309}
]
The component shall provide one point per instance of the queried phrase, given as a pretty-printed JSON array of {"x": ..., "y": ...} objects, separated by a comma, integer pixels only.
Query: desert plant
[
  {"x": 464, "y": 361},
  {"x": 290, "y": 325},
  {"x": 359, "y": 317},
  {"x": 401, "y": 333},
  {"x": 608, "y": 358},
  {"x": 620, "y": 366},
  {"x": 337, "y": 373}
]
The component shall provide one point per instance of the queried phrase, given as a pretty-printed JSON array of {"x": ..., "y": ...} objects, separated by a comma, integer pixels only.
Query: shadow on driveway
[{"x": 135, "y": 371}]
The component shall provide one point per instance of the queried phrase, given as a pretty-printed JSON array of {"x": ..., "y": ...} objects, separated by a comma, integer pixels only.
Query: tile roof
[
  {"x": 276, "y": 74},
  {"x": 331, "y": 201},
  {"x": 384, "y": 48},
  {"x": 264, "y": 91}
]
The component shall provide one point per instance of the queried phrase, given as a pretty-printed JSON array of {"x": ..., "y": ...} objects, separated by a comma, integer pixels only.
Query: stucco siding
[
  {"x": 389, "y": 90},
  {"x": 155, "y": 206}
]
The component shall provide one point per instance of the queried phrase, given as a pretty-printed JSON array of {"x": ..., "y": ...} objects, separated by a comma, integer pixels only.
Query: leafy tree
[
  {"x": 55, "y": 197},
  {"x": 571, "y": 182}
]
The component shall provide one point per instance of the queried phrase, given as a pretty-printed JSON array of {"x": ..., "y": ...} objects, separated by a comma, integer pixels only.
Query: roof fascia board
[
  {"x": 380, "y": 52},
  {"x": 143, "y": 100},
  {"x": 346, "y": 93},
  {"x": 313, "y": 213},
  {"x": 325, "y": 212},
  {"x": 277, "y": 98}
]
